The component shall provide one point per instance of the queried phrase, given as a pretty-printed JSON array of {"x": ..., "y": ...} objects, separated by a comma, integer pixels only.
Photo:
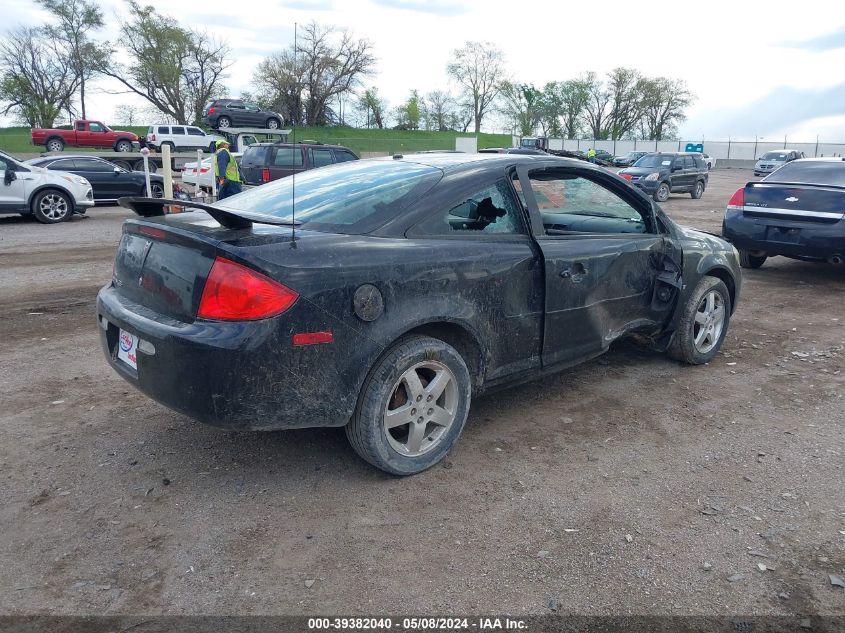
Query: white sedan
[{"x": 206, "y": 175}]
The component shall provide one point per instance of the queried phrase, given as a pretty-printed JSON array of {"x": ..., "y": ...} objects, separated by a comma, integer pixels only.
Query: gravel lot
[{"x": 630, "y": 484}]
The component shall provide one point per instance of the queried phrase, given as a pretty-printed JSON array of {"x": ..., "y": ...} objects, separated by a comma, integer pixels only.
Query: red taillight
[
  {"x": 211, "y": 110},
  {"x": 737, "y": 200},
  {"x": 265, "y": 175},
  {"x": 152, "y": 137},
  {"x": 236, "y": 293},
  {"x": 626, "y": 177},
  {"x": 203, "y": 170}
]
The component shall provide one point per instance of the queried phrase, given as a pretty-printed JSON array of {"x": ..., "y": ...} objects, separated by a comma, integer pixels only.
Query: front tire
[
  {"x": 156, "y": 189},
  {"x": 662, "y": 192},
  {"x": 412, "y": 407},
  {"x": 273, "y": 124},
  {"x": 747, "y": 259},
  {"x": 170, "y": 145},
  {"x": 123, "y": 146},
  {"x": 51, "y": 207},
  {"x": 703, "y": 324}
]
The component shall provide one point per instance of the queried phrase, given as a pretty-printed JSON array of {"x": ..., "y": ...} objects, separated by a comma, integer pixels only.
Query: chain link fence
[{"x": 726, "y": 149}]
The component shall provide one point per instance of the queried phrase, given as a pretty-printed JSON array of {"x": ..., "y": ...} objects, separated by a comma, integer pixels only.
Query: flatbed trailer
[{"x": 134, "y": 161}]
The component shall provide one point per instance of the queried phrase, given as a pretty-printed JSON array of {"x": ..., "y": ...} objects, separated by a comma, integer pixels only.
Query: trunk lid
[{"x": 802, "y": 202}]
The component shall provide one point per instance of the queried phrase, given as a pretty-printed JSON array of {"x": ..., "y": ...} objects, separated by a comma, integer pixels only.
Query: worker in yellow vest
[
  {"x": 226, "y": 171},
  {"x": 591, "y": 155}
]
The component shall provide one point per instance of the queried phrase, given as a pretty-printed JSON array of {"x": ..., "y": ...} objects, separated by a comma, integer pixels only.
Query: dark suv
[
  {"x": 224, "y": 113},
  {"x": 263, "y": 162},
  {"x": 663, "y": 173}
]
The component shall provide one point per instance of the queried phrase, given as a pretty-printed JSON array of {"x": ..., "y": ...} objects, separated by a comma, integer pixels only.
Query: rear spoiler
[{"x": 154, "y": 207}]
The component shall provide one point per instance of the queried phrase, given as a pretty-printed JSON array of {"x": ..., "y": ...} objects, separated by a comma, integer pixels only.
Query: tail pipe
[{"x": 836, "y": 259}]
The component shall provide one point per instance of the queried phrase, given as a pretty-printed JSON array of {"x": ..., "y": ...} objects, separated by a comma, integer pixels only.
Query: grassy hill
[{"x": 17, "y": 139}]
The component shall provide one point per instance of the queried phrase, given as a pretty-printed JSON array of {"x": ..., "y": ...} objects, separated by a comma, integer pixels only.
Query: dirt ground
[{"x": 629, "y": 485}]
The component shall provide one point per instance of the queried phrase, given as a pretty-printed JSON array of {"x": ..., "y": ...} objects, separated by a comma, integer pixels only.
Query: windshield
[
  {"x": 811, "y": 172},
  {"x": 655, "y": 160},
  {"x": 528, "y": 142},
  {"x": 781, "y": 156},
  {"x": 351, "y": 197}
]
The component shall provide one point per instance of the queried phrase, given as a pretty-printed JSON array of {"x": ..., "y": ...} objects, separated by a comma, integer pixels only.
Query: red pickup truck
[{"x": 85, "y": 134}]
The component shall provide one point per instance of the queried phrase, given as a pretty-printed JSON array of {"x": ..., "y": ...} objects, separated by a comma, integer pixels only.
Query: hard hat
[{"x": 221, "y": 143}]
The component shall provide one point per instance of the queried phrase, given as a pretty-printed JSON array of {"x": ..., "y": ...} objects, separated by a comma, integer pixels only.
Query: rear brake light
[
  {"x": 211, "y": 110},
  {"x": 737, "y": 201},
  {"x": 626, "y": 177},
  {"x": 236, "y": 293},
  {"x": 152, "y": 137},
  {"x": 265, "y": 175}
]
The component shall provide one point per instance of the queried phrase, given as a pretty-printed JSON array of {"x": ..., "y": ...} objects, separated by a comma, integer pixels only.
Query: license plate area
[
  {"x": 783, "y": 234},
  {"x": 127, "y": 349}
]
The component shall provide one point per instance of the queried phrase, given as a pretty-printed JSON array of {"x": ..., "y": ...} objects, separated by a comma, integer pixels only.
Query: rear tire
[
  {"x": 703, "y": 324},
  {"x": 157, "y": 190},
  {"x": 51, "y": 207},
  {"x": 224, "y": 122},
  {"x": 412, "y": 407},
  {"x": 661, "y": 194},
  {"x": 55, "y": 145},
  {"x": 749, "y": 260},
  {"x": 698, "y": 190}
]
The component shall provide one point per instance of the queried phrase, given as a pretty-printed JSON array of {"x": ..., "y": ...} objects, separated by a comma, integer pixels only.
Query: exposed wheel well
[
  {"x": 727, "y": 278},
  {"x": 462, "y": 340}
]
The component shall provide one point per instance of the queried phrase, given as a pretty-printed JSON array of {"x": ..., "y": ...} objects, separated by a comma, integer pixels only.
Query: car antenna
[{"x": 292, "y": 161}]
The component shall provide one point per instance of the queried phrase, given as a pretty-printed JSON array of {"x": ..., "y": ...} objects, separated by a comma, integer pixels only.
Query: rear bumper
[
  {"x": 237, "y": 376},
  {"x": 792, "y": 238}
]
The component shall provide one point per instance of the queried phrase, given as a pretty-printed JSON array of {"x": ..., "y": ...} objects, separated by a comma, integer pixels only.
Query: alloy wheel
[
  {"x": 421, "y": 408},
  {"x": 53, "y": 207},
  {"x": 709, "y": 322}
]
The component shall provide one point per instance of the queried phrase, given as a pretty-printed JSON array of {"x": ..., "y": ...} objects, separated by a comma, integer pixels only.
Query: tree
[
  {"x": 522, "y": 105},
  {"x": 440, "y": 111},
  {"x": 664, "y": 101},
  {"x": 372, "y": 107},
  {"x": 333, "y": 64},
  {"x": 38, "y": 80},
  {"x": 625, "y": 90},
  {"x": 75, "y": 21},
  {"x": 478, "y": 68},
  {"x": 279, "y": 80},
  {"x": 408, "y": 114},
  {"x": 177, "y": 70},
  {"x": 596, "y": 106},
  {"x": 126, "y": 114}
]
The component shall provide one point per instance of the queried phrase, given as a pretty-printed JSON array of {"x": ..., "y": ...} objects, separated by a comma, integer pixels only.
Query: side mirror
[{"x": 9, "y": 176}]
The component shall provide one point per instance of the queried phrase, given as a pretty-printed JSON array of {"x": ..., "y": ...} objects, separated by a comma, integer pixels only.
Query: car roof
[
  {"x": 458, "y": 162},
  {"x": 821, "y": 159},
  {"x": 311, "y": 144},
  {"x": 63, "y": 156}
]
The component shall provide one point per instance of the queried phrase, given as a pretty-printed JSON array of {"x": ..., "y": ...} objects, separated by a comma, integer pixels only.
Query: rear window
[
  {"x": 255, "y": 156},
  {"x": 353, "y": 197},
  {"x": 811, "y": 172}
]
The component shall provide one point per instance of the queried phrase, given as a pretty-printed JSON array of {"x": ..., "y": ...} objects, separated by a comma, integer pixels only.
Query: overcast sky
[{"x": 756, "y": 68}]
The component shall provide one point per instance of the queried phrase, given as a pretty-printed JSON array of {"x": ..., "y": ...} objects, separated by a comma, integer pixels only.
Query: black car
[
  {"x": 225, "y": 113},
  {"x": 798, "y": 212},
  {"x": 108, "y": 181},
  {"x": 660, "y": 174},
  {"x": 628, "y": 159},
  {"x": 263, "y": 162},
  {"x": 382, "y": 295}
]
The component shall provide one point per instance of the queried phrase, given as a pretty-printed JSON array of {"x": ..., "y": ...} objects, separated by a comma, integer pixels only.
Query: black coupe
[
  {"x": 382, "y": 295},
  {"x": 797, "y": 211},
  {"x": 108, "y": 181}
]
